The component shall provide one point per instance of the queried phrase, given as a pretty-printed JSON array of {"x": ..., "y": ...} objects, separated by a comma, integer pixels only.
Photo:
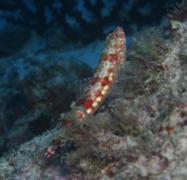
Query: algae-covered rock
[
  {"x": 138, "y": 133},
  {"x": 32, "y": 99}
]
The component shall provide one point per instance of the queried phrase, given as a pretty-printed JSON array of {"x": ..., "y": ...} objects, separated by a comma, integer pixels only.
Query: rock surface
[{"x": 138, "y": 133}]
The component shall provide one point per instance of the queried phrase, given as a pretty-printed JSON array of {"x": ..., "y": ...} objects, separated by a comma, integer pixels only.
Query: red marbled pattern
[{"x": 105, "y": 76}]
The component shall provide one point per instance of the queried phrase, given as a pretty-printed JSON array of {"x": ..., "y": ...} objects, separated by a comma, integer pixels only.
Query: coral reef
[
  {"x": 137, "y": 137},
  {"x": 138, "y": 133}
]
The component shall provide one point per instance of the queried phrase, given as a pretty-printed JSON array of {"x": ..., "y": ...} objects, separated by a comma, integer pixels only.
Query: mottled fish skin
[{"x": 111, "y": 60}]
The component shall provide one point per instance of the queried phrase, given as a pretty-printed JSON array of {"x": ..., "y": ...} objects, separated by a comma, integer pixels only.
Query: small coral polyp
[{"x": 106, "y": 74}]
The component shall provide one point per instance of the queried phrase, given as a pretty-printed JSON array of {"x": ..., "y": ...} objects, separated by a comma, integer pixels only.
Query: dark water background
[
  {"x": 84, "y": 20},
  {"x": 30, "y": 105}
]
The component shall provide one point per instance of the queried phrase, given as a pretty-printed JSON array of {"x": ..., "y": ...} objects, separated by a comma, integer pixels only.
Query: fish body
[
  {"x": 111, "y": 61},
  {"x": 106, "y": 74}
]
